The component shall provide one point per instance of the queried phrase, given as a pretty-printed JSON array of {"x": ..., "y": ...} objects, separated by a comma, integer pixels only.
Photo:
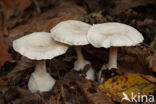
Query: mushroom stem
[
  {"x": 40, "y": 67},
  {"x": 80, "y": 62},
  {"x": 112, "y": 58},
  {"x": 80, "y": 57}
]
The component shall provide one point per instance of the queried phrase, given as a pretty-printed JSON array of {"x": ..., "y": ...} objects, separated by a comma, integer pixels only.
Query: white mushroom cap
[
  {"x": 71, "y": 32},
  {"x": 38, "y": 46},
  {"x": 113, "y": 34}
]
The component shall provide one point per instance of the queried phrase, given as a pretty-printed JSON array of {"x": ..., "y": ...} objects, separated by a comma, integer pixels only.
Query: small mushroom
[
  {"x": 39, "y": 46},
  {"x": 73, "y": 32},
  {"x": 113, "y": 35}
]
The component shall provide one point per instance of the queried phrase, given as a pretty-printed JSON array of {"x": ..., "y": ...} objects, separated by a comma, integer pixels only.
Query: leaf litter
[{"x": 19, "y": 18}]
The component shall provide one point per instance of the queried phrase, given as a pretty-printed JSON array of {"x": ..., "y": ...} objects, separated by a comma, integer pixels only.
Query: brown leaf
[
  {"x": 3, "y": 83},
  {"x": 152, "y": 61},
  {"x": 95, "y": 5},
  {"x": 3, "y": 24},
  {"x": 81, "y": 90},
  {"x": 126, "y": 4},
  {"x": 93, "y": 94},
  {"x": 69, "y": 58},
  {"x": 136, "y": 56},
  {"x": 58, "y": 11},
  {"x": 4, "y": 55},
  {"x": 19, "y": 71},
  {"x": 149, "y": 78},
  {"x": 153, "y": 44},
  {"x": 152, "y": 58},
  {"x": 20, "y": 4},
  {"x": 145, "y": 22},
  {"x": 43, "y": 25},
  {"x": 16, "y": 95},
  {"x": 126, "y": 57}
]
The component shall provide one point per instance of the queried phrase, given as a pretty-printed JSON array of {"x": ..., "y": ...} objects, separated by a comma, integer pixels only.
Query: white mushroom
[
  {"x": 73, "y": 32},
  {"x": 113, "y": 35},
  {"x": 39, "y": 46}
]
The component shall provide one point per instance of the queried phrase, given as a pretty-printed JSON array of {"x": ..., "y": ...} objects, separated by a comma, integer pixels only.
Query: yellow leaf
[{"x": 127, "y": 83}]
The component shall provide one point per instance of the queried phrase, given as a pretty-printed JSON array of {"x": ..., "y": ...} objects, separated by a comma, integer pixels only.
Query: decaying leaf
[
  {"x": 20, "y": 4},
  {"x": 4, "y": 55},
  {"x": 43, "y": 25},
  {"x": 153, "y": 44},
  {"x": 149, "y": 78},
  {"x": 95, "y": 5},
  {"x": 128, "y": 83},
  {"x": 11, "y": 12},
  {"x": 126, "y": 57},
  {"x": 21, "y": 17},
  {"x": 81, "y": 91},
  {"x": 3, "y": 83},
  {"x": 152, "y": 61},
  {"x": 69, "y": 58},
  {"x": 16, "y": 95},
  {"x": 126, "y": 4},
  {"x": 19, "y": 71}
]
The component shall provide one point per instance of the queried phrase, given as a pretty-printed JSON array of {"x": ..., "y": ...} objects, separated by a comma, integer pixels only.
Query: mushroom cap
[
  {"x": 71, "y": 32},
  {"x": 113, "y": 34},
  {"x": 39, "y": 46}
]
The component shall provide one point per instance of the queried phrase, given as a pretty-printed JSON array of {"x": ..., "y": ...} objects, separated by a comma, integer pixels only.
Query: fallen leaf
[
  {"x": 95, "y": 5},
  {"x": 153, "y": 44},
  {"x": 3, "y": 83},
  {"x": 128, "y": 83},
  {"x": 44, "y": 25},
  {"x": 69, "y": 58},
  {"x": 126, "y": 57},
  {"x": 81, "y": 90},
  {"x": 123, "y": 5},
  {"x": 16, "y": 95},
  {"x": 19, "y": 71},
  {"x": 149, "y": 78},
  {"x": 152, "y": 61},
  {"x": 4, "y": 55},
  {"x": 145, "y": 22},
  {"x": 20, "y": 4}
]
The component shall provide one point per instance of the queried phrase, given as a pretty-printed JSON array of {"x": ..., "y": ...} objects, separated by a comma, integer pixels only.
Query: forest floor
[{"x": 21, "y": 17}]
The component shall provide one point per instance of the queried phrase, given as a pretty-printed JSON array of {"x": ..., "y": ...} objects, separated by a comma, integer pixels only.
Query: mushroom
[
  {"x": 39, "y": 46},
  {"x": 73, "y": 32},
  {"x": 113, "y": 35}
]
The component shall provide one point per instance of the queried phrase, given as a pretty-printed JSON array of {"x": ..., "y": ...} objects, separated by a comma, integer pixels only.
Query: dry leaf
[
  {"x": 152, "y": 61},
  {"x": 16, "y": 95},
  {"x": 128, "y": 83},
  {"x": 19, "y": 71},
  {"x": 123, "y": 5},
  {"x": 149, "y": 78},
  {"x": 4, "y": 55},
  {"x": 145, "y": 22},
  {"x": 3, "y": 83},
  {"x": 69, "y": 58},
  {"x": 95, "y": 5},
  {"x": 81, "y": 90},
  {"x": 43, "y": 25},
  {"x": 20, "y": 4},
  {"x": 153, "y": 44}
]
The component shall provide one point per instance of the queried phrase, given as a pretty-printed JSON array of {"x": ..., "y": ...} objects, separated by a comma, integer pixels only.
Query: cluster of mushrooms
[{"x": 47, "y": 45}]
